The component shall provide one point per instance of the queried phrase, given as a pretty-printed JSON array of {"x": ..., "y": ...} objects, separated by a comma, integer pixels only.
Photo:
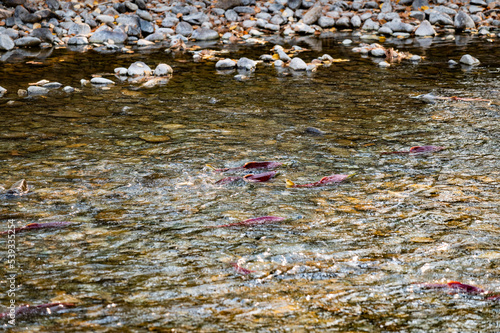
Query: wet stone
[
  {"x": 101, "y": 81},
  {"x": 469, "y": 60},
  {"x": 380, "y": 53},
  {"x": 139, "y": 68},
  {"x": 36, "y": 90},
  {"x": 297, "y": 64},
  {"x": 117, "y": 36},
  {"x": 78, "y": 40},
  {"x": 2, "y": 91},
  {"x": 163, "y": 69},
  {"x": 370, "y": 25},
  {"x": 245, "y": 63},
  {"x": 27, "y": 42}
]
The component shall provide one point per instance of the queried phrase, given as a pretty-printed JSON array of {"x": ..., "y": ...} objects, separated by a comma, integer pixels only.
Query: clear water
[{"x": 140, "y": 254}]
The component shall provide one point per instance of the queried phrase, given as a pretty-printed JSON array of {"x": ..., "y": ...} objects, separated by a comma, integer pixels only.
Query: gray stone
[
  {"x": 205, "y": 34},
  {"x": 415, "y": 58},
  {"x": 169, "y": 22},
  {"x": 27, "y": 42},
  {"x": 145, "y": 15},
  {"x": 227, "y": 4},
  {"x": 282, "y": 55},
  {"x": 463, "y": 21},
  {"x": 370, "y": 25},
  {"x": 184, "y": 28},
  {"x": 294, "y": 4},
  {"x": 272, "y": 27},
  {"x": 297, "y": 64},
  {"x": 79, "y": 29},
  {"x": 2, "y": 91},
  {"x": 138, "y": 68},
  {"x": 181, "y": 9},
  {"x": 386, "y": 7},
  {"x": 6, "y": 43},
  {"x": 279, "y": 63},
  {"x": 141, "y": 4},
  {"x": 446, "y": 10},
  {"x": 475, "y": 9},
  {"x": 277, "y": 20},
  {"x": 263, "y": 16},
  {"x": 347, "y": 42},
  {"x": 131, "y": 6},
  {"x": 378, "y": 52},
  {"x": 384, "y": 64},
  {"x": 385, "y": 31},
  {"x": 312, "y": 15},
  {"x": 52, "y": 85},
  {"x": 266, "y": 57},
  {"x": 425, "y": 29},
  {"x": 244, "y": 10},
  {"x": 36, "y": 90},
  {"x": 100, "y": 81},
  {"x": 105, "y": 18},
  {"x": 371, "y": 4},
  {"x": 225, "y": 64},
  {"x": 196, "y": 19},
  {"x": 78, "y": 40},
  {"x": 326, "y": 22},
  {"x": 356, "y": 21},
  {"x": 162, "y": 70},
  {"x": 469, "y": 60},
  {"x": 343, "y": 23},
  {"x": 399, "y": 26},
  {"x": 416, "y": 14},
  {"x": 156, "y": 37},
  {"x": 440, "y": 18},
  {"x": 100, "y": 36},
  {"x": 245, "y": 63},
  {"x": 417, "y": 4},
  {"x": 120, "y": 71},
  {"x": 144, "y": 42},
  {"x": 146, "y": 27},
  {"x": 232, "y": 16}
]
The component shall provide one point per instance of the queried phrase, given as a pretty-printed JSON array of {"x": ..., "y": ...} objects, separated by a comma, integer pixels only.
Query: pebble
[
  {"x": 469, "y": 60},
  {"x": 225, "y": 64},
  {"x": 2, "y": 91},
  {"x": 204, "y": 34},
  {"x": 347, "y": 42},
  {"x": 101, "y": 81},
  {"x": 36, "y": 90},
  {"x": 378, "y": 52},
  {"x": 162, "y": 70},
  {"x": 68, "y": 89},
  {"x": 384, "y": 64}
]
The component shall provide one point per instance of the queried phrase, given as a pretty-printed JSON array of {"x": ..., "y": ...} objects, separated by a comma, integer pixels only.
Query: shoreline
[{"x": 43, "y": 24}]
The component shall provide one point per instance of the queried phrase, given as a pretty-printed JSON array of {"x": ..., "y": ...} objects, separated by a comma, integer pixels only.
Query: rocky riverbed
[{"x": 139, "y": 22}]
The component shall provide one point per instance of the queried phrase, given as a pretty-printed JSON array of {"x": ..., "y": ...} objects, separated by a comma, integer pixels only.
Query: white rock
[
  {"x": 225, "y": 64},
  {"x": 298, "y": 64},
  {"x": 469, "y": 60},
  {"x": 101, "y": 81},
  {"x": 163, "y": 69}
]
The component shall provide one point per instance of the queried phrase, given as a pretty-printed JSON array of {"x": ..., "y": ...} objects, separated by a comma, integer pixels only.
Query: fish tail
[
  {"x": 352, "y": 175},
  {"x": 211, "y": 167},
  {"x": 289, "y": 183}
]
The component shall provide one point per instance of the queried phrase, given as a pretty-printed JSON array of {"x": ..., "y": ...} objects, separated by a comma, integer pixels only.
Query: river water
[{"x": 350, "y": 257}]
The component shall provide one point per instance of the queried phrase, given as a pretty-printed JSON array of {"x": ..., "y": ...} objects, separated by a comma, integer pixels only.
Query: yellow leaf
[
  {"x": 276, "y": 56},
  {"x": 424, "y": 7}
]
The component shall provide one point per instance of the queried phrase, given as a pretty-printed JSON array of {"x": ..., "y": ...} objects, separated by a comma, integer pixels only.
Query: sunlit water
[{"x": 139, "y": 254}]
